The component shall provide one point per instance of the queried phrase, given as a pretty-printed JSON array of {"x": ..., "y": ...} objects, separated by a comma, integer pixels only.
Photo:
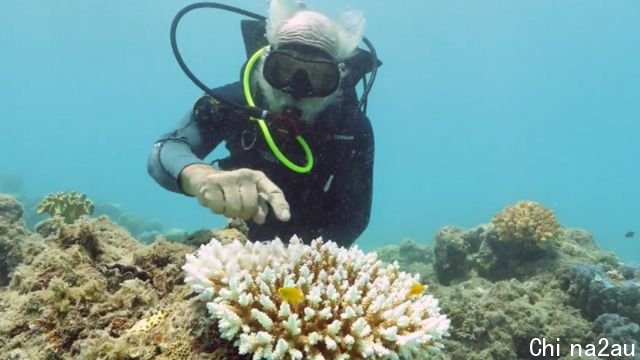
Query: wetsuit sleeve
[
  {"x": 354, "y": 191},
  {"x": 197, "y": 135}
]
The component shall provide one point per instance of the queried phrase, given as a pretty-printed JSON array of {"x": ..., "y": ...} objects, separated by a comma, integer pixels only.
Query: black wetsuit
[{"x": 332, "y": 201}]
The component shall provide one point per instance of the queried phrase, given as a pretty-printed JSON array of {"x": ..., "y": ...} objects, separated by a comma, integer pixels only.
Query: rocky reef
[
  {"x": 72, "y": 205},
  {"x": 503, "y": 287},
  {"x": 90, "y": 290}
]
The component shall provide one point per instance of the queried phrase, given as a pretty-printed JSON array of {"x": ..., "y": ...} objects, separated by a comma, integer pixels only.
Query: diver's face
[
  {"x": 301, "y": 71},
  {"x": 296, "y": 93}
]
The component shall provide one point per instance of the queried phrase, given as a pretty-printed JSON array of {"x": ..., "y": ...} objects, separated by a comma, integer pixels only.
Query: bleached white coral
[{"x": 354, "y": 307}]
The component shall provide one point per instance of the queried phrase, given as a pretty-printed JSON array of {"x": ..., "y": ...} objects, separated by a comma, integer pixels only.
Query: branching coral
[
  {"x": 69, "y": 205},
  {"x": 526, "y": 222},
  {"x": 354, "y": 307}
]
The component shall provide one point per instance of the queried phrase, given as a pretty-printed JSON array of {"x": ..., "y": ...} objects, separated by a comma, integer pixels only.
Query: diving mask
[{"x": 302, "y": 71}]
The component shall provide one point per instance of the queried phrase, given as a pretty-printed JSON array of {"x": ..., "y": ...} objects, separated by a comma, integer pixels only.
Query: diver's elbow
[{"x": 159, "y": 172}]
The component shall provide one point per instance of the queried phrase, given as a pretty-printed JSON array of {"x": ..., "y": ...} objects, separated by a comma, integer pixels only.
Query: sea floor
[{"x": 90, "y": 290}]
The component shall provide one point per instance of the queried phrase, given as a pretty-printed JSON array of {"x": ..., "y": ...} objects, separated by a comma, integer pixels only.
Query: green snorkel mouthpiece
[{"x": 246, "y": 77}]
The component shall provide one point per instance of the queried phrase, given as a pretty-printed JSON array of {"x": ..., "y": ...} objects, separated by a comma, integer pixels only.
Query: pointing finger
[{"x": 275, "y": 197}]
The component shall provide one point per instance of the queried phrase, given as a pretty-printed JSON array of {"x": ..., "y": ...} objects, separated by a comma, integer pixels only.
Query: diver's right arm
[
  {"x": 195, "y": 137},
  {"x": 176, "y": 163}
]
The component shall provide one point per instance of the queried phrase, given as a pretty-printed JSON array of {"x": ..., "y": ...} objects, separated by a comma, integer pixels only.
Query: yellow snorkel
[{"x": 246, "y": 77}]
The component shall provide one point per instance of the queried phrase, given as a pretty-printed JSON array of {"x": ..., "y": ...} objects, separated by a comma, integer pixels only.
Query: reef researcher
[{"x": 301, "y": 147}]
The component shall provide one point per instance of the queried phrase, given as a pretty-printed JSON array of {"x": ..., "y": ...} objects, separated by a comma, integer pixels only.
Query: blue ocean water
[{"x": 479, "y": 104}]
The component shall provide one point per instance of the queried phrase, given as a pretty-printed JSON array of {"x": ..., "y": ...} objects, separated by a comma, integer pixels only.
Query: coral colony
[
  {"x": 69, "y": 205},
  {"x": 315, "y": 301},
  {"x": 520, "y": 286},
  {"x": 526, "y": 221}
]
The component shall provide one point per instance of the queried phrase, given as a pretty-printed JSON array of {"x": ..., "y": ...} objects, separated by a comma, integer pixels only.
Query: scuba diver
[{"x": 304, "y": 77}]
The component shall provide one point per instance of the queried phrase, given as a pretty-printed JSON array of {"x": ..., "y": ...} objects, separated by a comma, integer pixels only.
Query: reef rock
[
  {"x": 595, "y": 292},
  {"x": 497, "y": 320},
  {"x": 16, "y": 244},
  {"x": 619, "y": 330},
  {"x": 91, "y": 291},
  {"x": 412, "y": 257},
  {"x": 503, "y": 291},
  {"x": 461, "y": 254}
]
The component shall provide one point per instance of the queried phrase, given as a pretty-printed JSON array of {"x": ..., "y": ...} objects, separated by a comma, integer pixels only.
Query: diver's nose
[{"x": 300, "y": 84}]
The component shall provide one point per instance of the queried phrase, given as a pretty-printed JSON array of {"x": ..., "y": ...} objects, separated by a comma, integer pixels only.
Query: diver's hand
[{"x": 240, "y": 193}]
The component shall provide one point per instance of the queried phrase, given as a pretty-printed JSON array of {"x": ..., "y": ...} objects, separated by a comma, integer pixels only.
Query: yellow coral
[
  {"x": 145, "y": 325},
  {"x": 526, "y": 222},
  {"x": 69, "y": 205},
  {"x": 177, "y": 350}
]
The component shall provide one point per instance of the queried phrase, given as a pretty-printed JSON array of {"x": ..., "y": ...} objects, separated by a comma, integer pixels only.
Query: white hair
[{"x": 290, "y": 21}]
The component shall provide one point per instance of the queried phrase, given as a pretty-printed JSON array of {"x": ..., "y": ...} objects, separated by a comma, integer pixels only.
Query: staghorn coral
[
  {"x": 69, "y": 205},
  {"x": 526, "y": 222},
  {"x": 355, "y": 307}
]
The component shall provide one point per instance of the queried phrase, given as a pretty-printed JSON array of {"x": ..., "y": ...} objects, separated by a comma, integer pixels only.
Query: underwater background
[{"x": 479, "y": 104}]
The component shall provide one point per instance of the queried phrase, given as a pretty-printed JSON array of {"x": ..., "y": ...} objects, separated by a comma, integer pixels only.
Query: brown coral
[
  {"x": 236, "y": 229},
  {"x": 69, "y": 205},
  {"x": 526, "y": 222}
]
